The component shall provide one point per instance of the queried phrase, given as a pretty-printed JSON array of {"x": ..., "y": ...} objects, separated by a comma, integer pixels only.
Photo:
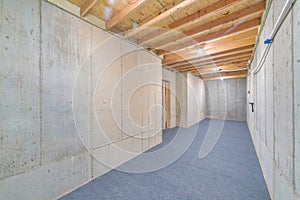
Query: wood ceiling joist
[
  {"x": 209, "y": 59},
  {"x": 237, "y": 64},
  {"x": 241, "y": 63},
  {"x": 224, "y": 74},
  {"x": 243, "y": 58},
  {"x": 211, "y": 67},
  {"x": 226, "y": 77},
  {"x": 173, "y": 59},
  {"x": 248, "y": 34},
  {"x": 117, "y": 17},
  {"x": 196, "y": 17},
  {"x": 240, "y": 15},
  {"x": 86, "y": 7},
  {"x": 239, "y": 28},
  {"x": 211, "y": 71},
  {"x": 213, "y": 61},
  {"x": 232, "y": 45},
  {"x": 160, "y": 15}
]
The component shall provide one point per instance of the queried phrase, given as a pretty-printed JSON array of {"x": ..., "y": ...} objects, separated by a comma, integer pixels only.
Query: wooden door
[{"x": 166, "y": 104}]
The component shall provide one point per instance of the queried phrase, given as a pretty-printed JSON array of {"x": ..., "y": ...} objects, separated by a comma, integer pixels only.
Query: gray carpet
[{"x": 230, "y": 171}]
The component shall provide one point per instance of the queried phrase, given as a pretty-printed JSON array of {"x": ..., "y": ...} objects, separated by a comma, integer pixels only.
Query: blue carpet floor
[{"x": 230, "y": 171}]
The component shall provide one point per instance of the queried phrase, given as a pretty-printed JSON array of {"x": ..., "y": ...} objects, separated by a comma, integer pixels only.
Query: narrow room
[{"x": 149, "y": 99}]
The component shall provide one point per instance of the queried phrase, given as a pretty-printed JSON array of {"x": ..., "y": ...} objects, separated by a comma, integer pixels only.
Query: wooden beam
[
  {"x": 213, "y": 61},
  {"x": 206, "y": 12},
  {"x": 174, "y": 59},
  {"x": 225, "y": 67},
  {"x": 252, "y": 11},
  {"x": 248, "y": 34},
  {"x": 211, "y": 70},
  {"x": 196, "y": 17},
  {"x": 240, "y": 62},
  {"x": 220, "y": 62},
  {"x": 206, "y": 59},
  {"x": 227, "y": 32},
  {"x": 226, "y": 77},
  {"x": 87, "y": 6},
  {"x": 232, "y": 45},
  {"x": 117, "y": 17},
  {"x": 160, "y": 15},
  {"x": 224, "y": 74}
]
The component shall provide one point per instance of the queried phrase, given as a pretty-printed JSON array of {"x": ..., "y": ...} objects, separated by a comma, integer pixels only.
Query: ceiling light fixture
[
  {"x": 215, "y": 69},
  {"x": 200, "y": 50}
]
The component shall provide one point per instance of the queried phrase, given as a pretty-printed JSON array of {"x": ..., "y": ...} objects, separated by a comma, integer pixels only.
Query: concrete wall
[
  {"x": 226, "y": 99},
  {"x": 196, "y": 100},
  {"x": 191, "y": 104},
  {"x": 63, "y": 94},
  {"x": 274, "y": 125},
  {"x": 181, "y": 103},
  {"x": 170, "y": 76}
]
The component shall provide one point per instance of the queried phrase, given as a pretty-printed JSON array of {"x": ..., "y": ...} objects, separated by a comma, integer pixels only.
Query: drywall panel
[
  {"x": 170, "y": 76},
  {"x": 226, "y": 99},
  {"x": 19, "y": 87}
]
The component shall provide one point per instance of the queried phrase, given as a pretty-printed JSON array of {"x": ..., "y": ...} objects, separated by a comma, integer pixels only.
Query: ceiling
[{"x": 208, "y": 38}]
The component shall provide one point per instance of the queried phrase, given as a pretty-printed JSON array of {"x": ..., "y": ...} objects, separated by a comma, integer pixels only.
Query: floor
[{"x": 230, "y": 171}]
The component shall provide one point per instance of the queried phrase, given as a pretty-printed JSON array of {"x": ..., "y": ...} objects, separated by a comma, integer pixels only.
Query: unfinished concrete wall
[
  {"x": 65, "y": 97},
  {"x": 196, "y": 100},
  {"x": 274, "y": 125},
  {"x": 170, "y": 76},
  {"x": 181, "y": 103},
  {"x": 226, "y": 99},
  {"x": 191, "y": 104}
]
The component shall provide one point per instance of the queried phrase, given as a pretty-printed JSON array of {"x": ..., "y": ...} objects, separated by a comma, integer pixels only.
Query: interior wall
[
  {"x": 274, "y": 125},
  {"x": 170, "y": 76},
  {"x": 191, "y": 103},
  {"x": 64, "y": 96},
  {"x": 196, "y": 101},
  {"x": 226, "y": 99}
]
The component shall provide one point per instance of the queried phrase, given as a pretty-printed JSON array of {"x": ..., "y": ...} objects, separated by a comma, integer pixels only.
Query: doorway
[{"x": 166, "y": 104}]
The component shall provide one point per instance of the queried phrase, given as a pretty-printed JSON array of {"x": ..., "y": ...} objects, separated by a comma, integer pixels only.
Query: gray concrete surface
[
  {"x": 226, "y": 99},
  {"x": 274, "y": 125},
  {"x": 191, "y": 103},
  {"x": 52, "y": 97}
]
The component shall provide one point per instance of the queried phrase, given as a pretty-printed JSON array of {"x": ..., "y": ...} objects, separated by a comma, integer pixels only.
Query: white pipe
[{"x": 285, "y": 11}]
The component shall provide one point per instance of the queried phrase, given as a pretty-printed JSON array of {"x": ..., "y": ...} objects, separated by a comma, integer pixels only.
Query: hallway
[{"x": 230, "y": 171}]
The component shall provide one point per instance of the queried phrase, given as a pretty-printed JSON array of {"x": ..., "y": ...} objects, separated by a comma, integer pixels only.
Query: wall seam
[
  {"x": 274, "y": 113},
  {"x": 91, "y": 102},
  {"x": 40, "y": 82},
  {"x": 293, "y": 104}
]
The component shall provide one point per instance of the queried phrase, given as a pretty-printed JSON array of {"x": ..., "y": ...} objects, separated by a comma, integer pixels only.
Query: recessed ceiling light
[
  {"x": 200, "y": 49},
  {"x": 215, "y": 69}
]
